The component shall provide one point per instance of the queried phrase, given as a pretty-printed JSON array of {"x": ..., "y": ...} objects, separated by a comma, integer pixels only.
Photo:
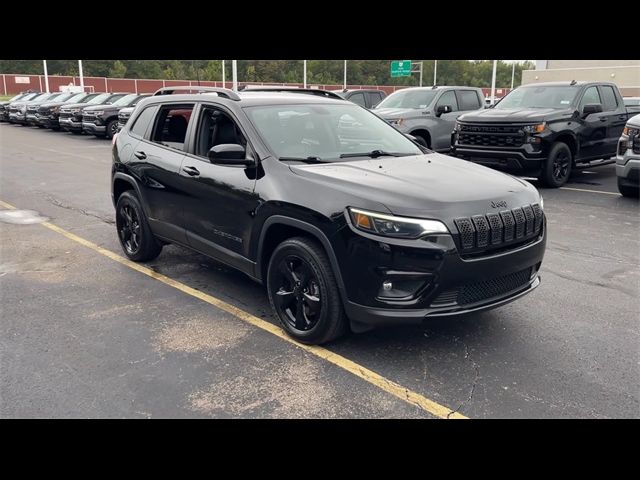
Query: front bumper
[
  {"x": 521, "y": 159},
  {"x": 4, "y": 115},
  {"x": 71, "y": 125},
  {"x": 31, "y": 118},
  {"x": 440, "y": 281},
  {"x": 17, "y": 117},
  {"x": 48, "y": 121},
  {"x": 94, "y": 129}
]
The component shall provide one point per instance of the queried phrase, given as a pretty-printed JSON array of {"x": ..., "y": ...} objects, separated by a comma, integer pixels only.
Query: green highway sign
[{"x": 401, "y": 68}]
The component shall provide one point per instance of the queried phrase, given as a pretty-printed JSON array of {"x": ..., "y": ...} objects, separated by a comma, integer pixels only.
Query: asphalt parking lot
[{"x": 85, "y": 335}]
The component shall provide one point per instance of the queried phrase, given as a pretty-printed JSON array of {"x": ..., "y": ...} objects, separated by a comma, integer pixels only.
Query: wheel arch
[
  {"x": 571, "y": 141},
  {"x": 424, "y": 133},
  {"x": 123, "y": 182},
  {"x": 278, "y": 228}
]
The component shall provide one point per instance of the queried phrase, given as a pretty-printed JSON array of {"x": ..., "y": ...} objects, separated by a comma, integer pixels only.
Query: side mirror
[
  {"x": 229, "y": 154},
  {"x": 590, "y": 108},
  {"x": 418, "y": 140},
  {"x": 443, "y": 109}
]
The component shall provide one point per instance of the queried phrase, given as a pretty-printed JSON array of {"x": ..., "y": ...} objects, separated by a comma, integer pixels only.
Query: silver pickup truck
[{"x": 429, "y": 113}]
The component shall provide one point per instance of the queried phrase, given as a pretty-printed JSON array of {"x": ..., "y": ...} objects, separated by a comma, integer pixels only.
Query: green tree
[{"x": 118, "y": 70}]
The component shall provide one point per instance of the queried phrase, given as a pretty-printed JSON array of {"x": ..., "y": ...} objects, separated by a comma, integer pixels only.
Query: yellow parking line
[
  {"x": 590, "y": 191},
  {"x": 344, "y": 363}
]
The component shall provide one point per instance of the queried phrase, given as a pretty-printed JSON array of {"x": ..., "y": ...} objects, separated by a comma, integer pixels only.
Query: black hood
[
  {"x": 524, "y": 115},
  {"x": 426, "y": 186},
  {"x": 103, "y": 108}
]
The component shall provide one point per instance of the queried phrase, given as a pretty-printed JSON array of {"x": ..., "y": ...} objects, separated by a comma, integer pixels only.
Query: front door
[
  {"x": 441, "y": 135},
  {"x": 593, "y": 134},
  {"x": 616, "y": 116},
  {"x": 221, "y": 202}
]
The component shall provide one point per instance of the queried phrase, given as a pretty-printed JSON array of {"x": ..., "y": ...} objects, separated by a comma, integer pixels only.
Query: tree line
[{"x": 476, "y": 73}]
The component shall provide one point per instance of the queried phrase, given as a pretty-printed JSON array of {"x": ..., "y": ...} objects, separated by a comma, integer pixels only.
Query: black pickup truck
[{"x": 545, "y": 130}]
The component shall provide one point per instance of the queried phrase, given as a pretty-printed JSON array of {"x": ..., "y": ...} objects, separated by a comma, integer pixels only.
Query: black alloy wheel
[{"x": 298, "y": 294}]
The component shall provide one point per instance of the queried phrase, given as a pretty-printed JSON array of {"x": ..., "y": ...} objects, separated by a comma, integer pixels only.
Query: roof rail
[
  {"x": 311, "y": 91},
  {"x": 222, "y": 92}
]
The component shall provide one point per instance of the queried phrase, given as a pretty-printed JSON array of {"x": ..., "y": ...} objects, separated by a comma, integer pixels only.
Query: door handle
[
  {"x": 140, "y": 155},
  {"x": 622, "y": 117},
  {"x": 603, "y": 119},
  {"x": 193, "y": 171}
]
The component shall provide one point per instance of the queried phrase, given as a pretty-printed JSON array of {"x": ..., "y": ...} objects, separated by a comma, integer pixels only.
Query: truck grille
[
  {"x": 491, "y": 135},
  {"x": 123, "y": 119},
  {"x": 64, "y": 114},
  {"x": 471, "y": 293},
  {"x": 497, "y": 230},
  {"x": 89, "y": 118}
]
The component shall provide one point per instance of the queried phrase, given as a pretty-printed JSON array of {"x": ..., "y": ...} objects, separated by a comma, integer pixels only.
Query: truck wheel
[
  {"x": 421, "y": 140},
  {"x": 112, "y": 128},
  {"x": 304, "y": 293},
  {"x": 557, "y": 168},
  {"x": 628, "y": 191}
]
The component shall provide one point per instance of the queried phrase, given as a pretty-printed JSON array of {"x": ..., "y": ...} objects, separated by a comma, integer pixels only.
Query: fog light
[{"x": 387, "y": 286}]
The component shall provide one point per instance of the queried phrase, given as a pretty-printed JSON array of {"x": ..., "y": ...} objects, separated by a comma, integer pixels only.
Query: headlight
[
  {"x": 76, "y": 110},
  {"x": 457, "y": 127},
  {"x": 396, "y": 121},
  {"x": 537, "y": 128},
  {"x": 55, "y": 110},
  {"x": 97, "y": 112},
  {"x": 630, "y": 131},
  {"x": 23, "y": 109},
  {"x": 391, "y": 226}
]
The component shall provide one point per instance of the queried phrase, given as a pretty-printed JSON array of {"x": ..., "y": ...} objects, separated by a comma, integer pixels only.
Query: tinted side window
[
  {"x": 375, "y": 98},
  {"x": 468, "y": 100},
  {"x": 171, "y": 125},
  {"x": 216, "y": 128},
  {"x": 448, "y": 98},
  {"x": 609, "y": 97},
  {"x": 142, "y": 121},
  {"x": 591, "y": 95},
  {"x": 358, "y": 98}
]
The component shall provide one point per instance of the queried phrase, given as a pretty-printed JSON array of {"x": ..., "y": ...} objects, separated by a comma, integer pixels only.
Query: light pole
[
  {"x": 513, "y": 73},
  {"x": 421, "y": 65},
  {"x": 435, "y": 71},
  {"x": 46, "y": 76},
  {"x": 223, "y": 76},
  {"x": 304, "y": 74},
  {"x": 345, "y": 75},
  {"x": 81, "y": 75},
  {"x": 234, "y": 74},
  {"x": 493, "y": 82}
]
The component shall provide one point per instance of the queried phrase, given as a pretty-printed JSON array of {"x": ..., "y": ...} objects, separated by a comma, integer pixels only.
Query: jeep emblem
[{"x": 500, "y": 204}]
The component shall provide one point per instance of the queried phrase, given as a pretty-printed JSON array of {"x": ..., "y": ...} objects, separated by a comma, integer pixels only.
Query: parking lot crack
[
  {"x": 476, "y": 369},
  {"x": 54, "y": 201}
]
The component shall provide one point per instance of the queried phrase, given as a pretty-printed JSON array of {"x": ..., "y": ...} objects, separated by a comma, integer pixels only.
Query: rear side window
[
  {"x": 375, "y": 98},
  {"x": 142, "y": 121},
  {"x": 171, "y": 125},
  {"x": 609, "y": 99},
  {"x": 468, "y": 100}
]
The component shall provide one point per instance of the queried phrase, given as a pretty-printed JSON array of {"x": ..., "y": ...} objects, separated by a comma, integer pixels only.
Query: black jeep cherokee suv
[{"x": 347, "y": 221}]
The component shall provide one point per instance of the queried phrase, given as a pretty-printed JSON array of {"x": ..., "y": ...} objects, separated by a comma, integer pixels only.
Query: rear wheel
[
  {"x": 628, "y": 191},
  {"x": 557, "y": 169},
  {"x": 303, "y": 292},
  {"x": 76, "y": 132},
  {"x": 134, "y": 233}
]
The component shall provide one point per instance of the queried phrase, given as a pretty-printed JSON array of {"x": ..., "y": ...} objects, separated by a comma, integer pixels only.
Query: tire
[
  {"x": 422, "y": 140},
  {"x": 112, "y": 128},
  {"x": 557, "y": 168},
  {"x": 628, "y": 191},
  {"x": 135, "y": 236},
  {"x": 76, "y": 132},
  {"x": 320, "y": 317}
]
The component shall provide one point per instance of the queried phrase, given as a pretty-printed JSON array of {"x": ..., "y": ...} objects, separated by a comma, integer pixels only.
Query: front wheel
[
  {"x": 112, "y": 128},
  {"x": 628, "y": 191},
  {"x": 304, "y": 293},
  {"x": 134, "y": 233},
  {"x": 557, "y": 168}
]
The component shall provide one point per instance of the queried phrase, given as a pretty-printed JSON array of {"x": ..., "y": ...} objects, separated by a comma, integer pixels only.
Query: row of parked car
[
  {"x": 99, "y": 114},
  {"x": 543, "y": 130}
]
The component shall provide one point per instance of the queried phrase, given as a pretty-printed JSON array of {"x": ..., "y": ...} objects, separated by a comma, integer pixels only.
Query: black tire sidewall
[
  {"x": 628, "y": 191},
  {"x": 549, "y": 179},
  {"x": 149, "y": 248},
  {"x": 108, "y": 130},
  {"x": 328, "y": 291}
]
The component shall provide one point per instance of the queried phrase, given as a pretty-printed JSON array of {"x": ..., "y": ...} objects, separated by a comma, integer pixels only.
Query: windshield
[
  {"x": 100, "y": 99},
  {"x": 126, "y": 100},
  {"x": 64, "y": 97},
  {"x": 409, "y": 98},
  {"x": 535, "y": 96},
  {"x": 19, "y": 96},
  {"x": 77, "y": 98},
  {"x": 26, "y": 97},
  {"x": 327, "y": 132},
  {"x": 43, "y": 97}
]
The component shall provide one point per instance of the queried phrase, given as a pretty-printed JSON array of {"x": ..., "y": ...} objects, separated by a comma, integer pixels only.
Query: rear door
[
  {"x": 359, "y": 99},
  {"x": 156, "y": 159},
  {"x": 374, "y": 99},
  {"x": 615, "y": 113}
]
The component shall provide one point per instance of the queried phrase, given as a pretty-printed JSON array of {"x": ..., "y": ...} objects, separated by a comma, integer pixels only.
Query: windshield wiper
[
  {"x": 372, "y": 154},
  {"x": 300, "y": 159}
]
